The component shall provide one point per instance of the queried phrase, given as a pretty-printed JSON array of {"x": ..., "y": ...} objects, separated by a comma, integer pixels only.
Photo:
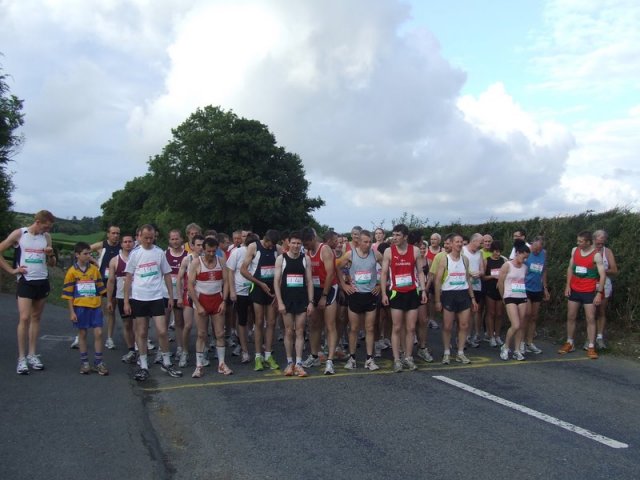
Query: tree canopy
[
  {"x": 220, "y": 171},
  {"x": 11, "y": 118}
]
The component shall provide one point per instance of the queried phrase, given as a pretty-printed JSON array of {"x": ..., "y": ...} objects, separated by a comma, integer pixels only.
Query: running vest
[
  {"x": 455, "y": 274},
  {"x": 585, "y": 273},
  {"x": 209, "y": 280},
  {"x": 514, "y": 284},
  {"x": 318, "y": 272},
  {"x": 106, "y": 254},
  {"x": 293, "y": 281},
  {"x": 363, "y": 271},
  {"x": 475, "y": 262},
  {"x": 174, "y": 263},
  {"x": 402, "y": 270},
  {"x": 266, "y": 266},
  {"x": 120, "y": 276},
  {"x": 535, "y": 263},
  {"x": 431, "y": 255},
  {"x": 32, "y": 256}
]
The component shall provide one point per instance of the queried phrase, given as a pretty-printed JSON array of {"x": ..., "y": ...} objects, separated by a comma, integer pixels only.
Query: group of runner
[{"x": 315, "y": 286}]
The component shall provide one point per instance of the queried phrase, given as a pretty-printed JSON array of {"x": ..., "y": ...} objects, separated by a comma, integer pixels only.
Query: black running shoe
[{"x": 171, "y": 370}]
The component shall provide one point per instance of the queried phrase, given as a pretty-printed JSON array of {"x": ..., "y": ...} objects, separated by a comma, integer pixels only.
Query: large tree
[
  {"x": 221, "y": 171},
  {"x": 11, "y": 118}
]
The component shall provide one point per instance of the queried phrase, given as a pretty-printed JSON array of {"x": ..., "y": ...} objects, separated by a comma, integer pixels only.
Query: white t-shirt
[
  {"x": 148, "y": 268},
  {"x": 475, "y": 265},
  {"x": 234, "y": 263}
]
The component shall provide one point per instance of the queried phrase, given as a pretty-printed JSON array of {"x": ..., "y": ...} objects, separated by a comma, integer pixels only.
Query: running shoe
[
  {"x": 492, "y": 342},
  {"x": 172, "y": 324},
  {"x": 462, "y": 358},
  {"x": 205, "y": 360},
  {"x": 328, "y": 368},
  {"x": 397, "y": 366},
  {"x": 433, "y": 325},
  {"x": 600, "y": 344},
  {"x": 592, "y": 354},
  {"x": 245, "y": 358},
  {"x": 109, "y": 345},
  {"x": 85, "y": 369},
  {"x": 22, "y": 368},
  {"x": 171, "y": 370},
  {"x": 446, "y": 359},
  {"x": 224, "y": 370},
  {"x": 377, "y": 348},
  {"x": 531, "y": 348},
  {"x": 410, "y": 364},
  {"x": 585, "y": 347},
  {"x": 34, "y": 362},
  {"x": 198, "y": 372},
  {"x": 237, "y": 350},
  {"x": 150, "y": 345},
  {"x": 522, "y": 348},
  {"x": 273, "y": 365},
  {"x": 351, "y": 364},
  {"x": 258, "y": 366},
  {"x": 387, "y": 342},
  {"x": 299, "y": 371},
  {"x": 371, "y": 365},
  {"x": 184, "y": 359},
  {"x": 517, "y": 355},
  {"x": 499, "y": 340},
  {"x": 141, "y": 375},
  {"x": 473, "y": 341},
  {"x": 504, "y": 353},
  {"x": 567, "y": 348},
  {"x": 311, "y": 361},
  {"x": 424, "y": 354},
  {"x": 74, "y": 344},
  {"x": 288, "y": 371},
  {"x": 101, "y": 369},
  {"x": 129, "y": 357}
]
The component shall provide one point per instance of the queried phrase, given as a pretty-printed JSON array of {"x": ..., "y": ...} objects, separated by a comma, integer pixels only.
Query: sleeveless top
[
  {"x": 535, "y": 263},
  {"x": 402, "y": 270},
  {"x": 318, "y": 271},
  {"x": 455, "y": 275},
  {"x": 293, "y": 280},
  {"x": 266, "y": 265},
  {"x": 363, "y": 271},
  {"x": 174, "y": 263},
  {"x": 120, "y": 276},
  {"x": 32, "y": 256},
  {"x": 492, "y": 267},
  {"x": 585, "y": 273},
  {"x": 209, "y": 280},
  {"x": 514, "y": 283},
  {"x": 106, "y": 254}
]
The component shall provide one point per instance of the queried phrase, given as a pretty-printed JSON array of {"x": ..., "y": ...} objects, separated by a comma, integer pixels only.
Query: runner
[
  {"x": 511, "y": 285},
  {"x": 115, "y": 294},
  {"x": 379, "y": 238},
  {"x": 107, "y": 249},
  {"x": 191, "y": 231},
  {"x": 362, "y": 296},
  {"x": 400, "y": 263},
  {"x": 493, "y": 299},
  {"x": 175, "y": 254},
  {"x": 146, "y": 269},
  {"x": 184, "y": 301},
  {"x": 487, "y": 241},
  {"x": 585, "y": 286},
  {"x": 476, "y": 266},
  {"x": 208, "y": 292},
  {"x": 537, "y": 291},
  {"x": 454, "y": 297},
  {"x": 322, "y": 259},
  {"x": 33, "y": 251},
  {"x": 259, "y": 268},
  {"x": 293, "y": 286},
  {"x": 611, "y": 269}
]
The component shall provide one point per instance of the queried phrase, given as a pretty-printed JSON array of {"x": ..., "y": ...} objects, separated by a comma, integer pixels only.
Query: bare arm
[
  {"x": 277, "y": 279},
  {"x": 384, "y": 275},
  {"x": 10, "y": 242}
]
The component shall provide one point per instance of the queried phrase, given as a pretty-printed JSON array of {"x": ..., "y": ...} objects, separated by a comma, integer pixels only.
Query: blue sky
[{"x": 531, "y": 106}]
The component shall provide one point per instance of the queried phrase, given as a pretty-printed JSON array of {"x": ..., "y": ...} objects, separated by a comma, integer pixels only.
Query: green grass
[{"x": 66, "y": 238}]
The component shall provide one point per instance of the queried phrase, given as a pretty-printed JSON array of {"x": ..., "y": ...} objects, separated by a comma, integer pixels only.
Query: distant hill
[{"x": 74, "y": 226}]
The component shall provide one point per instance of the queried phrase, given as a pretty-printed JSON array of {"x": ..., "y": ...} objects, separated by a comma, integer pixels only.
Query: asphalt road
[{"x": 359, "y": 425}]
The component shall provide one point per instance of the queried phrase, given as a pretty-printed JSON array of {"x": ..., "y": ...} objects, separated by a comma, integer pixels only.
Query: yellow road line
[{"x": 478, "y": 362}]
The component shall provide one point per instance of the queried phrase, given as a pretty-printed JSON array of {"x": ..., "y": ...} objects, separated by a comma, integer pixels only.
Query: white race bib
[
  {"x": 363, "y": 277},
  {"x": 495, "y": 272},
  {"x": 86, "y": 288},
  {"x": 517, "y": 287},
  {"x": 404, "y": 280},
  {"x": 581, "y": 270},
  {"x": 295, "y": 280},
  {"x": 267, "y": 272}
]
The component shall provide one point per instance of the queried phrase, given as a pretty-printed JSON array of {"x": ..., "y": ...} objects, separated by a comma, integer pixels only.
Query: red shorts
[
  {"x": 186, "y": 300},
  {"x": 211, "y": 303}
]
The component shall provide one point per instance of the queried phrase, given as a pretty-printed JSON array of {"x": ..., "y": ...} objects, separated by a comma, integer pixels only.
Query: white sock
[
  {"x": 220, "y": 351},
  {"x": 143, "y": 362}
]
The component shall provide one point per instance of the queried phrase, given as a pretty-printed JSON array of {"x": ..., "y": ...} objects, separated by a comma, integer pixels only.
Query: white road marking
[{"x": 534, "y": 413}]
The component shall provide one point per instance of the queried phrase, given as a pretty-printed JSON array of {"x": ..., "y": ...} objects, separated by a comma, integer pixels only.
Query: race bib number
[
  {"x": 581, "y": 270},
  {"x": 536, "y": 267},
  {"x": 517, "y": 287},
  {"x": 267, "y": 272},
  {"x": 174, "y": 280},
  {"x": 86, "y": 288},
  {"x": 457, "y": 279},
  {"x": 295, "y": 280},
  {"x": 33, "y": 256},
  {"x": 475, "y": 283},
  {"x": 404, "y": 280},
  {"x": 363, "y": 277},
  {"x": 495, "y": 272},
  {"x": 316, "y": 281},
  {"x": 148, "y": 269}
]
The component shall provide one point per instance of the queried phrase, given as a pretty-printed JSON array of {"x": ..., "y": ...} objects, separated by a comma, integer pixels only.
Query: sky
[{"x": 451, "y": 111}]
